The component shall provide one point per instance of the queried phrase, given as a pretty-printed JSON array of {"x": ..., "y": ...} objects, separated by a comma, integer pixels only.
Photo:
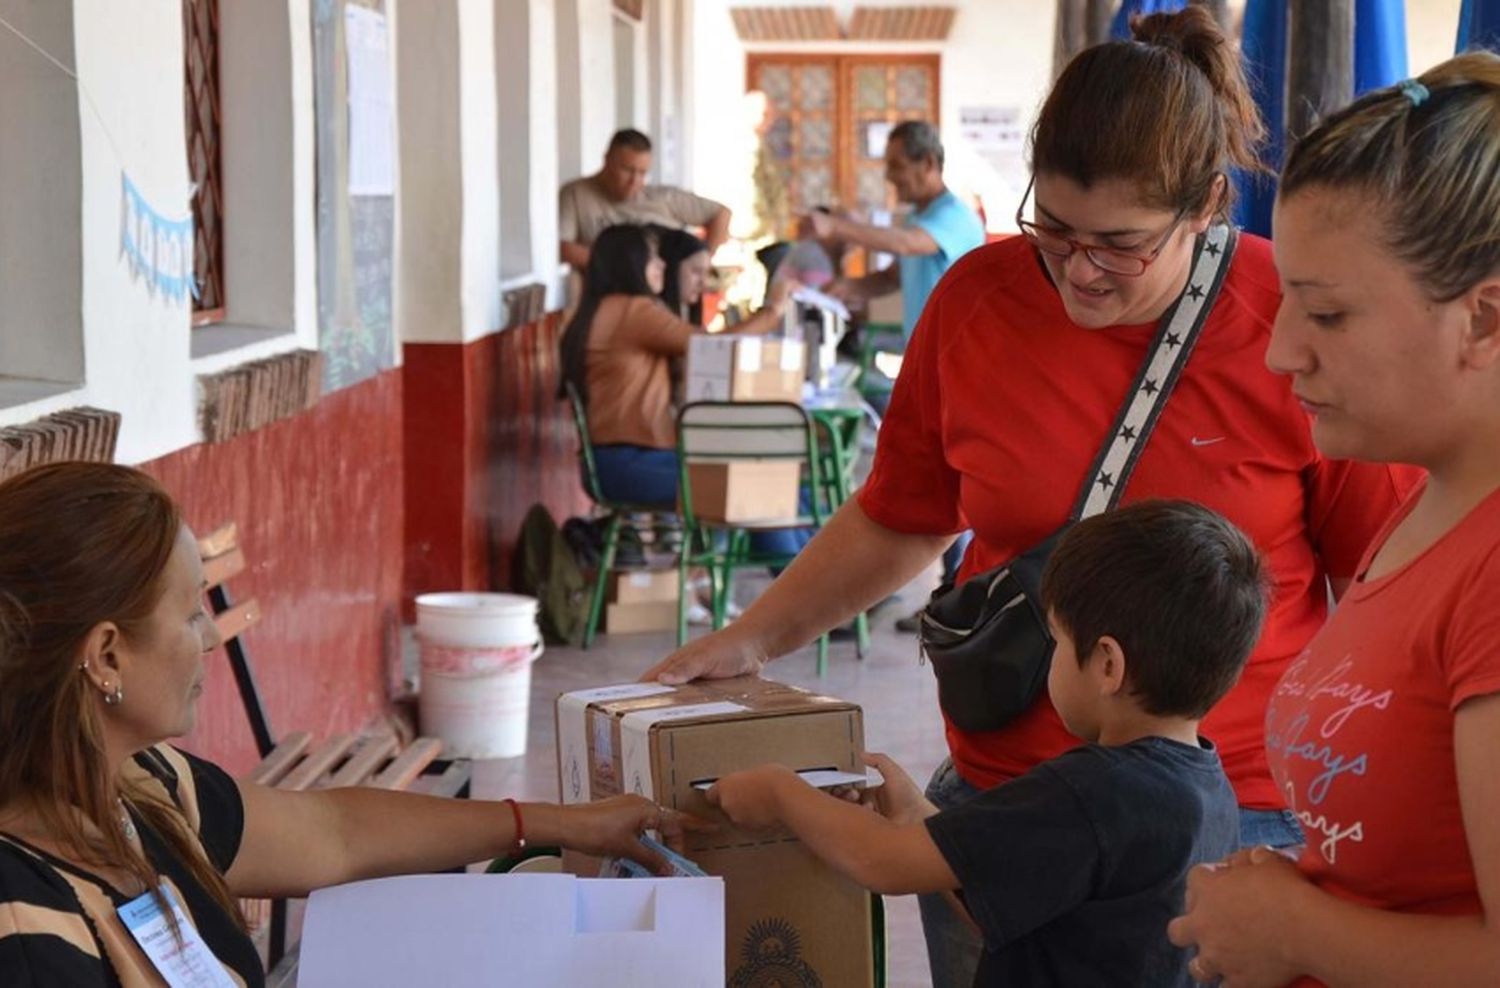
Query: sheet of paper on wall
[
  {"x": 515, "y": 930},
  {"x": 991, "y": 128},
  {"x": 372, "y": 133}
]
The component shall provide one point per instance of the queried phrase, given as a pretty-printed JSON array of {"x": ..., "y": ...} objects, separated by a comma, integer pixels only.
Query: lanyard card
[{"x": 185, "y": 964}]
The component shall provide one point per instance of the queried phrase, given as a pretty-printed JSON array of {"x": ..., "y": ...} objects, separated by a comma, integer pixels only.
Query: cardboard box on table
[
  {"x": 732, "y": 367},
  {"x": 641, "y": 600},
  {"x": 474, "y": 931},
  {"x": 790, "y": 919}
]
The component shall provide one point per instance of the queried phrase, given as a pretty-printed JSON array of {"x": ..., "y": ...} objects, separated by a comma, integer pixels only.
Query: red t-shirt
[
  {"x": 1001, "y": 406},
  {"x": 1360, "y": 729}
]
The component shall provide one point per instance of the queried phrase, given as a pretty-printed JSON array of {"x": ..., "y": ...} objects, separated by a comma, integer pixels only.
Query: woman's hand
[
  {"x": 900, "y": 800},
  {"x": 613, "y": 827},
  {"x": 748, "y": 798},
  {"x": 1235, "y": 914}
]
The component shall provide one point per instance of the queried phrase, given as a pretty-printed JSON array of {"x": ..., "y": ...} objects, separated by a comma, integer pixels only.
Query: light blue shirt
[{"x": 956, "y": 230}]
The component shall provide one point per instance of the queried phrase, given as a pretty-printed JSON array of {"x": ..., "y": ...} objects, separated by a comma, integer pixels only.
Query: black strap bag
[{"x": 987, "y": 638}]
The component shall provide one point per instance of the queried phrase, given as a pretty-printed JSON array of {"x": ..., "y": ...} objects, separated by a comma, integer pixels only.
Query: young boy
[{"x": 1073, "y": 870}]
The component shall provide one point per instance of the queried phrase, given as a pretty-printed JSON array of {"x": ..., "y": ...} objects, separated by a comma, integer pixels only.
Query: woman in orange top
[
  {"x": 617, "y": 353},
  {"x": 1382, "y": 734}
]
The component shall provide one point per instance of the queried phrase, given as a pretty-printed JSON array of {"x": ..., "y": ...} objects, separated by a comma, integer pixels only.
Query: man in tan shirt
[{"x": 619, "y": 194}]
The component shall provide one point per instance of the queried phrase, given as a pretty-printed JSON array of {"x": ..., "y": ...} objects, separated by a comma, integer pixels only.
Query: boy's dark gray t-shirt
[{"x": 1074, "y": 870}]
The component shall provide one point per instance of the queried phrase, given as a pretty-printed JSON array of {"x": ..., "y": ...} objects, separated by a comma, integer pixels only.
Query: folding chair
[
  {"x": 719, "y": 432},
  {"x": 614, "y": 511},
  {"x": 293, "y": 761}
]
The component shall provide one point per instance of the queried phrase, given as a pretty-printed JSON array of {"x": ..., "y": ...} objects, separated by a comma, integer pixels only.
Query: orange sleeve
[
  {"x": 912, "y": 488},
  {"x": 651, "y": 326}
]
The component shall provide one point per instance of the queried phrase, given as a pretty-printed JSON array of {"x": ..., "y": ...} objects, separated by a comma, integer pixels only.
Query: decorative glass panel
[
  {"x": 779, "y": 138},
  {"x": 817, "y": 88},
  {"x": 869, "y": 87},
  {"x": 776, "y": 83},
  {"x": 872, "y": 187},
  {"x": 816, "y": 138},
  {"x": 913, "y": 90},
  {"x": 816, "y": 186}
]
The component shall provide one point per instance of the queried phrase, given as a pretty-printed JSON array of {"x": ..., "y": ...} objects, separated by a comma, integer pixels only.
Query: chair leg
[
  {"x": 861, "y": 634},
  {"x": 606, "y": 562},
  {"x": 822, "y": 656},
  {"x": 683, "y": 558}
]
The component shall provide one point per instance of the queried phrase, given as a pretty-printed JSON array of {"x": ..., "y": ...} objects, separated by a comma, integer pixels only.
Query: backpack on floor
[{"x": 545, "y": 568}]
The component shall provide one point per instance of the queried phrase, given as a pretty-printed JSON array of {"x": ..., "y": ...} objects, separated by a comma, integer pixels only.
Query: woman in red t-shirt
[
  {"x": 1383, "y": 733},
  {"x": 1024, "y": 354}
]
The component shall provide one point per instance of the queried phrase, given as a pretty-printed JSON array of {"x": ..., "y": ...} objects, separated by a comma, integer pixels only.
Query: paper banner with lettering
[{"x": 158, "y": 249}]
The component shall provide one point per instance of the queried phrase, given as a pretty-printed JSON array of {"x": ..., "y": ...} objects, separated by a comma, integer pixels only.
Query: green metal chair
[
  {"x": 614, "y": 511},
  {"x": 725, "y": 432}
]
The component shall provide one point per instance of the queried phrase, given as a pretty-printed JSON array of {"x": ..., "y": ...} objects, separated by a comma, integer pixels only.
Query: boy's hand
[
  {"x": 900, "y": 800},
  {"x": 749, "y": 798}
]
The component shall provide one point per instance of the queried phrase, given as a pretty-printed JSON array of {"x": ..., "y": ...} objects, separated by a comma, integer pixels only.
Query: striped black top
[{"x": 58, "y": 924}]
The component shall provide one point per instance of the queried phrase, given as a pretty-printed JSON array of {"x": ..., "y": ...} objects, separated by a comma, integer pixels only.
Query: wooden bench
[{"x": 294, "y": 761}]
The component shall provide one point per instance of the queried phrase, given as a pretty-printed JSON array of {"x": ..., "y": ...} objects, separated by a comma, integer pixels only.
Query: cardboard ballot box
[
  {"x": 735, "y": 491},
  {"x": 474, "y": 931},
  {"x": 641, "y": 600},
  {"x": 731, "y": 367},
  {"x": 789, "y": 918}
]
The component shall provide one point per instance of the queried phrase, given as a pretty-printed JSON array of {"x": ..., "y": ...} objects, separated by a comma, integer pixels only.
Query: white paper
[
  {"x": 749, "y": 355},
  {"x": 991, "y": 128},
  {"x": 635, "y": 740},
  {"x": 515, "y": 930},
  {"x": 792, "y": 354},
  {"x": 372, "y": 134}
]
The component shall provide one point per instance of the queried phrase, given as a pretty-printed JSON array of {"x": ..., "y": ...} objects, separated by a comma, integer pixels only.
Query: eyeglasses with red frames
[{"x": 1128, "y": 264}]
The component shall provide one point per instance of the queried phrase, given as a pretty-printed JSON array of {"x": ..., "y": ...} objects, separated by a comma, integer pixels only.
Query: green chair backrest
[
  {"x": 585, "y": 444},
  {"x": 748, "y": 430}
]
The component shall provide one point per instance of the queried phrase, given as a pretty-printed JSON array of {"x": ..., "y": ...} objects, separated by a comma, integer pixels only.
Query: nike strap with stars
[{"x": 1173, "y": 344}]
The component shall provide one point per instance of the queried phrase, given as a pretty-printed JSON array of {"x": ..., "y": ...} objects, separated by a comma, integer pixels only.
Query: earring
[{"x": 117, "y": 696}]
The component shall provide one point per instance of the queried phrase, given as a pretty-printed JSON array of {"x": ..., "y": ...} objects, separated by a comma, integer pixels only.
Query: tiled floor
[{"x": 900, "y": 709}]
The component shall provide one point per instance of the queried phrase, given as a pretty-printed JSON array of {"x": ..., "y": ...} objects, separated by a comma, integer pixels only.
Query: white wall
[
  {"x": 41, "y": 326},
  {"x": 1431, "y": 30},
  {"x": 127, "y": 115},
  {"x": 430, "y": 204},
  {"x": 129, "y": 98},
  {"x": 525, "y": 46},
  {"x": 480, "y": 279},
  {"x": 999, "y": 53}
]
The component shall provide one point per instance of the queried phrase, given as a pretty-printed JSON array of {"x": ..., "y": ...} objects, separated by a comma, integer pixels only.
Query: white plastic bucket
[{"x": 477, "y": 650}]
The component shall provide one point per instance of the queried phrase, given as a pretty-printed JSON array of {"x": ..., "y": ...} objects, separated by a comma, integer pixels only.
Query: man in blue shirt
[{"x": 938, "y": 231}]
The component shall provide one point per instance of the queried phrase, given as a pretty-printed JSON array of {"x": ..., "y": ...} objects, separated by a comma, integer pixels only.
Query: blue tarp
[
  {"x": 1120, "y": 29},
  {"x": 1479, "y": 25},
  {"x": 1379, "y": 60}
]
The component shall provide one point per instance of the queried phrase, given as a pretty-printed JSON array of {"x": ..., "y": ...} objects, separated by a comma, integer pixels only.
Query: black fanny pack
[{"x": 987, "y": 637}]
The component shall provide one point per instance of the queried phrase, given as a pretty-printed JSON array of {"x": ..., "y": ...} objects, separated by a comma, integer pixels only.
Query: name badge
[{"x": 187, "y": 963}]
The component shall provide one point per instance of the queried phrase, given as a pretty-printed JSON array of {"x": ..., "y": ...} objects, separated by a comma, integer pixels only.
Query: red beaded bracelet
[{"x": 515, "y": 811}]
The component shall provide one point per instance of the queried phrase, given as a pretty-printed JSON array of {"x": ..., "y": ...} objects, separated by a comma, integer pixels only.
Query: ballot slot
[{"x": 823, "y": 777}]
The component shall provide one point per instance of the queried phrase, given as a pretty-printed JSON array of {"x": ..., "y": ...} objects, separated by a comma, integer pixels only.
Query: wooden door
[{"x": 829, "y": 118}]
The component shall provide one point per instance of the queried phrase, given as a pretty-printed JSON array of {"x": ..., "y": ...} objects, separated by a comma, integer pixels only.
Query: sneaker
[
  {"x": 700, "y": 616},
  {"x": 911, "y": 624}
]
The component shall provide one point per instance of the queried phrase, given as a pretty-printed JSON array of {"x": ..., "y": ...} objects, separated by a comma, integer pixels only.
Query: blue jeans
[
  {"x": 645, "y": 476},
  {"x": 954, "y": 946},
  {"x": 1270, "y": 828}
]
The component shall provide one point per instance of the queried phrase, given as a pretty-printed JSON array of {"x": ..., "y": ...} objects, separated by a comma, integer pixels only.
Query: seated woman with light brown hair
[{"x": 103, "y": 635}]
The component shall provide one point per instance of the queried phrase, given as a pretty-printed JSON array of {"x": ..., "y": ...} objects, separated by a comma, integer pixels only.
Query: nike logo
[{"x": 1206, "y": 442}]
